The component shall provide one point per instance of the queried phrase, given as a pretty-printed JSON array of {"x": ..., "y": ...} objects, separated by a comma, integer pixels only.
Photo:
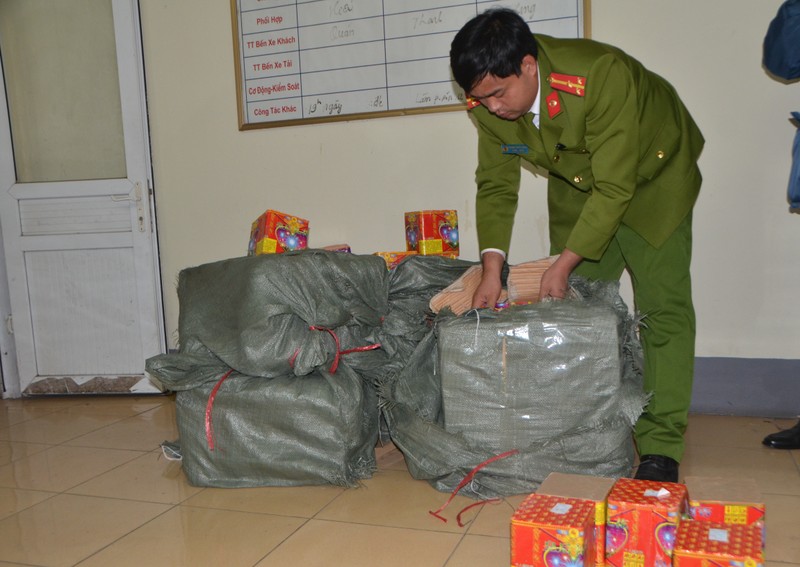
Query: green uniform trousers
[{"x": 663, "y": 298}]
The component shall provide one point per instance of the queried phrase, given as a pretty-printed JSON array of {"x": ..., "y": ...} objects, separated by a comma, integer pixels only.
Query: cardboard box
[
  {"x": 726, "y": 501},
  {"x": 643, "y": 518},
  {"x": 432, "y": 232},
  {"x": 584, "y": 487},
  {"x": 275, "y": 232},
  {"x": 701, "y": 543},
  {"x": 394, "y": 258},
  {"x": 553, "y": 530}
]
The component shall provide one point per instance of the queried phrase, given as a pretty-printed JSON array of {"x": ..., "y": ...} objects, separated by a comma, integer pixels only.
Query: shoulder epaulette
[{"x": 571, "y": 84}]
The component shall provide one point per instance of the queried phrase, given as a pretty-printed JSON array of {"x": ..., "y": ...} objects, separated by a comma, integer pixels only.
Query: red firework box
[
  {"x": 725, "y": 500},
  {"x": 584, "y": 487},
  {"x": 275, "y": 232},
  {"x": 643, "y": 517},
  {"x": 732, "y": 501},
  {"x": 432, "y": 232},
  {"x": 703, "y": 544},
  {"x": 553, "y": 531}
]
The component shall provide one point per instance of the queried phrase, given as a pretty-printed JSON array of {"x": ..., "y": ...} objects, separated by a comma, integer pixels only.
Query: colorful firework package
[
  {"x": 394, "y": 258},
  {"x": 275, "y": 232},
  {"x": 643, "y": 517},
  {"x": 732, "y": 501},
  {"x": 432, "y": 232},
  {"x": 700, "y": 543},
  {"x": 593, "y": 488},
  {"x": 553, "y": 531}
]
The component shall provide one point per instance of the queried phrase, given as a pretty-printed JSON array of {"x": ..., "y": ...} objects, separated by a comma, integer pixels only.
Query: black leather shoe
[
  {"x": 657, "y": 467},
  {"x": 786, "y": 439}
]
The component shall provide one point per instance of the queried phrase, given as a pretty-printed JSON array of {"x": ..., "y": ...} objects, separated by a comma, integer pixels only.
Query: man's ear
[{"x": 529, "y": 66}]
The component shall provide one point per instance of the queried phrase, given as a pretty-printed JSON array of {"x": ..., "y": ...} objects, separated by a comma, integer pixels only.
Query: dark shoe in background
[
  {"x": 658, "y": 468},
  {"x": 786, "y": 439}
]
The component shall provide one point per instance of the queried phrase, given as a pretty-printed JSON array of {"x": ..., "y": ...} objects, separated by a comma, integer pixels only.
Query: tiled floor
[{"x": 83, "y": 482}]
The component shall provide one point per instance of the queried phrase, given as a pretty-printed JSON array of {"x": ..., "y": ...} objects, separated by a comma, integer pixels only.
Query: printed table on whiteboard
[{"x": 344, "y": 59}]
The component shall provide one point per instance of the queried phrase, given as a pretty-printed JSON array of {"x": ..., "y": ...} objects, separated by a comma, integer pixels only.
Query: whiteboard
[{"x": 302, "y": 61}]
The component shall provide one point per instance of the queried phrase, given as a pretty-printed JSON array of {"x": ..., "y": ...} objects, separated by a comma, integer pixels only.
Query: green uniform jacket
[{"x": 624, "y": 152}]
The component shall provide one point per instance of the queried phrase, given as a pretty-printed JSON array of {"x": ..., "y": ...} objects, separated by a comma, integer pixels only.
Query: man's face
[{"x": 509, "y": 97}]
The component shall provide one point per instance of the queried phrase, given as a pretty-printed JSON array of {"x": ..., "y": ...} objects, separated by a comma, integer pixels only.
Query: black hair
[{"x": 491, "y": 43}]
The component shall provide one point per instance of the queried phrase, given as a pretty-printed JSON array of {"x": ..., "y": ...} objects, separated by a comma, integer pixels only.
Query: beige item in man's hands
[
  {"x": 523, "y": 286},
  {"x": 524, "y": 280}
]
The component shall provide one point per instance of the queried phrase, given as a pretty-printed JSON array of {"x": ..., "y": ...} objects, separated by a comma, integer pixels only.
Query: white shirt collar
[{"x": 538, "y": 100}]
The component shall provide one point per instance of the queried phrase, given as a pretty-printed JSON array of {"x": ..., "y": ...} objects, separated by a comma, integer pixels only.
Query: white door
[{"x": 76, "y": 211}]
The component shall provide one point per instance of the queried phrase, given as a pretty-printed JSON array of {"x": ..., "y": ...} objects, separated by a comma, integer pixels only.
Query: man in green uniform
[{"x": 621, "y": 151}]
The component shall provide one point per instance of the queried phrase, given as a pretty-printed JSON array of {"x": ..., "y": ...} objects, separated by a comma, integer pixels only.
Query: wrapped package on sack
[
  {"x": 563, "y": 399},
  {"x": 274, "y": 315},
  {"x": 243, "y": 431},
  {"x": 528, "y": 374}
]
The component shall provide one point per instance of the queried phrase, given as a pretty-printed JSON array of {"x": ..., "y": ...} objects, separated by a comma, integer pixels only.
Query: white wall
[{"x": 354, "y": 180}]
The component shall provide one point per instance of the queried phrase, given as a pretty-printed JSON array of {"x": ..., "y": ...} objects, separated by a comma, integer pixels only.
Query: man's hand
[
  {"x": 488, "y": 291},
  {"x": 555, "y": 280}
]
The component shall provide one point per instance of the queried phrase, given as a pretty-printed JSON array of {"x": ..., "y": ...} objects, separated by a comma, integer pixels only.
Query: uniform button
[
  {"x": 660, "y": 154},
  {"x": 556, "y": 158},
  {"x": 577, "y": 179}
]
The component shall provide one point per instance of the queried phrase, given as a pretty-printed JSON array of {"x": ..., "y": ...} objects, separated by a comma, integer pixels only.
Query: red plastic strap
[
  {"x": 294, "y": 357},
  {"x": 335, "y": 364},
  {"x": 210, "y": 407},
  {"x": 465, "y": 481}
]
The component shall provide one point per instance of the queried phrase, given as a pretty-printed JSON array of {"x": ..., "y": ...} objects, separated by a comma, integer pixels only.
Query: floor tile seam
[
  {"x": 455, "y": 547},
  {"x": 331, "y": 501},
  {"x": 140, "y": 452},
  {"x": 184, "y": 504},
  {"x": 70, "y": 443},
  {"x": 759, "y": 448},
  {"x": 72, "y": 492},
  {"x": 94, "y": 431},
  {"x": 143, "y": 412},
  {"x": 33, "y": 505},
  {"x": 390, "y": 526},
  {"x": 126, "y": 534},
  {"x": 283, "y": 541},
  {"x": 748, "y": 446},
  {"x": 63, "y": 441},
  {"x": 46, "y": 446},
  {"x": 97, "y": 475},
  {"x": 57, "y": 494},
  {"x": 27, "y": 419}
]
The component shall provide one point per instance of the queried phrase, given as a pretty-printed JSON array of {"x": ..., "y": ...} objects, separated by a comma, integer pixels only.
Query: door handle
[{"x": 136, "y": 197}]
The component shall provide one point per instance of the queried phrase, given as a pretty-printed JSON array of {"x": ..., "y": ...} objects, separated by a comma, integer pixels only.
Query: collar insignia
[
  {"x": 553, "y": 104},
  {"x": 472, "y": 103}
]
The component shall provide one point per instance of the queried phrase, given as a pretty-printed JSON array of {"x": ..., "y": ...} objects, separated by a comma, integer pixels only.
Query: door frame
[{"x": 127, "y": 29}]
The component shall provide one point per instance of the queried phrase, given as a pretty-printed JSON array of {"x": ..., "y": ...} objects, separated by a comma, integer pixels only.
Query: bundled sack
[
  {"x": 290, "y": 412},
  {"x": 280, "y": 314},
  {"x": 561, "y": 395},
  {"x": 243, "y": 431}
]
